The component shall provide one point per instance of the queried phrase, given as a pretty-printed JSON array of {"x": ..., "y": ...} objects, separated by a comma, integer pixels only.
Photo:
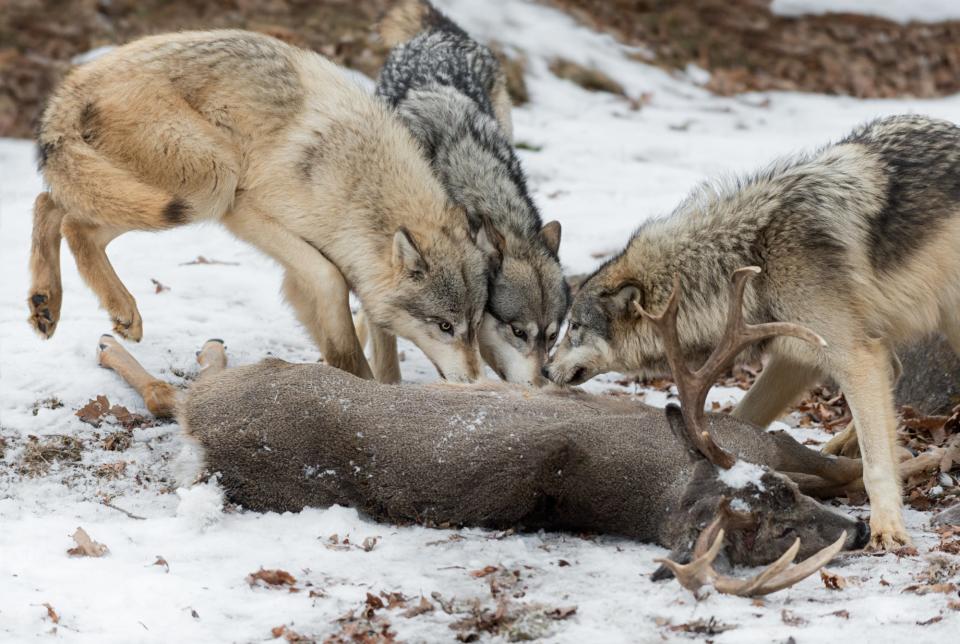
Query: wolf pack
[{"x": 414, "y": 200}]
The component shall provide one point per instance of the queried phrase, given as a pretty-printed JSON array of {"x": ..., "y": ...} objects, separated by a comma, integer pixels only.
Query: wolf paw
[
  {"x": 887, "y": 535},
  {"x": 44, "y": 312},
  {"x": 128, "y": 326}
]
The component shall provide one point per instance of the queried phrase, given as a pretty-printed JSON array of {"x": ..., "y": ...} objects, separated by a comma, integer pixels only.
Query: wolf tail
[{"x": 408, "y": 18}]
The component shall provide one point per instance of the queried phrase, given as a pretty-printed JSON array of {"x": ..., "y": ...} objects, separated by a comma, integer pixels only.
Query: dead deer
[{"x": 284, "y": 436}]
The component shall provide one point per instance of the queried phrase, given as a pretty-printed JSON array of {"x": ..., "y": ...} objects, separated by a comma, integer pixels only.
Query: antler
[
  {"x": 693, "y": 386},
  {"x": 777, "y": 576}
]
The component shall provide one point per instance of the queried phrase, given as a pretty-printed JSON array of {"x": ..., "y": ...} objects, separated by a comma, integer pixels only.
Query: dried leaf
[
  {"x": 841, "y": 613},
  {"x": 271, "y": 578},
  {"x": 86, "y": 547},
  {"x": 374, "y": 602},
  {"x": 52, "y": 614},
  {"x": 394, "y": 600},
  {"x": 832, "y": 580},
  {"x": 161, "y": 562},
  {"x": 158, "y": 287},
  {"x": 93, "y": 412},
  {"x": 423, "y": 607},
  {"x": 932, "y": 620},
  {"x": 369, "y": 543},
  {"x": 946, "y": 589},
  {"x": 906, "y": 551},
  {"x": 486, "y": 570},
  {"x": 203, "y": 260},
  {"x": 703, "y": 627}
]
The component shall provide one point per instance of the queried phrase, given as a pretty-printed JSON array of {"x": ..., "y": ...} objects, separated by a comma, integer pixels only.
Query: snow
[
  {"x": 897, "y": 10},
  {"x": 601, "y": 168},
  {"x": 743, "y": 474}
]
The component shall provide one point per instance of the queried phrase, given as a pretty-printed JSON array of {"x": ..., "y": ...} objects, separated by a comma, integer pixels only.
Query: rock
[{"x": 950, "y": 516}]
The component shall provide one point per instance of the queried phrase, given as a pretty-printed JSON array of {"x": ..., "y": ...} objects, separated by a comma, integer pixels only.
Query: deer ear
[
  {"x": 550, "y": 234},
  {"x": 406, "y": 255},
  {"x": 491, "y": 242},
  {"x": 625, "y": 299}
]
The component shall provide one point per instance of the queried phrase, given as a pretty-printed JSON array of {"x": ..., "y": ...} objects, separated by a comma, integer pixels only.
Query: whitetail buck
[{"x": 286, "y": 436}]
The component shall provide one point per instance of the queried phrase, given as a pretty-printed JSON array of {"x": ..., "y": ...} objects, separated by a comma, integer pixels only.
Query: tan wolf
[
  {"x": 286, "y": 152},
  {"x": 857, "y": 241}
]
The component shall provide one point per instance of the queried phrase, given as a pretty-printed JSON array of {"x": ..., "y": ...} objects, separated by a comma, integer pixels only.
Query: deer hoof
[{"x": 44, "y": 313}]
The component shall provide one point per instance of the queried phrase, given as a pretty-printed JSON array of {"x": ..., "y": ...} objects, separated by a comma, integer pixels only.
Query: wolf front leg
[
  {"x": 313, "y": 285},
  {"x": 864, "y": 375},
  {"x": 383, "y": 348}
]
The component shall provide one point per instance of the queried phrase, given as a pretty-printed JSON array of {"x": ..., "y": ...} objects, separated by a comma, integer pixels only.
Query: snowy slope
[
  {"x": 601, "y": 168},
  {"x": 897, "y": 10}
]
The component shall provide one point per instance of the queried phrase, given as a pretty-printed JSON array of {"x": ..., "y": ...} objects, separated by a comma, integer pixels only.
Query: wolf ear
[
  {"x": 550, "y": 234},
  {"x": 491, "y": 242},
  {"x": 406, "y": 255},
  {"x": 625, "y": 298}
]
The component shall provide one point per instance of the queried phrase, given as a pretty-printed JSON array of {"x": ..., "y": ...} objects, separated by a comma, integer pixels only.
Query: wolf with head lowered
[
  {"x": 277, "y": 144},
  {"x": 451, "y": 93},
  {"x": 857, "y": 241}
]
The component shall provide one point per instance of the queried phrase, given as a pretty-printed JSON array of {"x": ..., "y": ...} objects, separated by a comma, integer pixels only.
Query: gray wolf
[
  {"x": 450, "y": 91},
  {"x": 277, "y": 145},
  {"x": 857, "y": 241}
]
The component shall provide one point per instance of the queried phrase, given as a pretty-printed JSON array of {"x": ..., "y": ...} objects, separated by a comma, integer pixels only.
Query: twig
[{"x": 129, "y": 514}]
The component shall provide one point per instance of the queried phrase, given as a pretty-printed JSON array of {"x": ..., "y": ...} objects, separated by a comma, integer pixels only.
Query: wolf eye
[
  {"x": 517, "y": 331},
  {"x": 553, "y": 337},
  {"x": 446, "y": 327},
  {"x": 574, "y": 326}
]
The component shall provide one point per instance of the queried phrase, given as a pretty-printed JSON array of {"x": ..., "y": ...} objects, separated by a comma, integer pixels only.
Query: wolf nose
[
  {"x": 545, "y": 372},
  {"x": 863, "y": 535}
]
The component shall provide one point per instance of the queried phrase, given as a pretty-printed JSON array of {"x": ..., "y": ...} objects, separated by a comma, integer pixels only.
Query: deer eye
[
  {"x": 446, "y": 327},
  {"x": 520, "y": 333}
]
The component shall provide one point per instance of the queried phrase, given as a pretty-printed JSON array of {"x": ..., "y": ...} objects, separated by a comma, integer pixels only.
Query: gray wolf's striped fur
[
  {"x": 451, "y": 93},
  {"x": 857, "y": 241}
]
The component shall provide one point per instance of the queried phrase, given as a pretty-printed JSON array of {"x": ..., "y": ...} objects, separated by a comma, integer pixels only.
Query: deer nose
[{"x": 863, "y": 535}]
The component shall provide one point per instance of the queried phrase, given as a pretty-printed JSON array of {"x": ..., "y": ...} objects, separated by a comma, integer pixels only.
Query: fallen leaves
[
  {"x": 275, "y": 577},
  {"x": 161, "y": 562},
  {"x": 335, "y": 543},
  {"x": 86, "y": 547},
  {"x": 710, "y": 626},
  {"x": 201, "y": 260},
  {"x": 949, "y": 540},
  {"x": 39, "y": 454},
  {"x": 51, "y": 614},
  {"x": 289, "y": 635},
  {"x": 98, "y": 409},
  {"x": 791, "y": 619},
  {"x": 158, "y": 287},
  {"x": 423, "y": 606},
  {"x": 832, "y": 581}
]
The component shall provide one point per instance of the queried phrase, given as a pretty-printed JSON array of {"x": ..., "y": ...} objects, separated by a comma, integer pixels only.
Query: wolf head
[
  {"x": 437, "y": 297},
  {"x": 527, "y": 302},
  {"x": 606, "y": 331}
]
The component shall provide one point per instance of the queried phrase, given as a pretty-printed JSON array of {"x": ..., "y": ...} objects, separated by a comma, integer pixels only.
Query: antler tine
[
  {"x": 777, "y": 576},
  {"x": 693, "y": 386}
]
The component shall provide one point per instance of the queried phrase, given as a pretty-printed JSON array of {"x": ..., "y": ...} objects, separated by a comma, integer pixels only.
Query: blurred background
[{"x": 860, "y": 48}]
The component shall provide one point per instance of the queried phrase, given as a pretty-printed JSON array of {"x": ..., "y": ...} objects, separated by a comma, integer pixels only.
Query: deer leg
[
  {"x": 865, "y": 377},
  {"x": 88, "y": 242},
  {"x": 160, "y": 397},
  {"x": 212, "y": 358},
  {"x": 780, "y": 383}
]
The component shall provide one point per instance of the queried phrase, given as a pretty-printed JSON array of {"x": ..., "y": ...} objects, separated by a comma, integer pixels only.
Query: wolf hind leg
[
  {"x": 46, "y": 290},
  {"x": 88, "y": 242}
]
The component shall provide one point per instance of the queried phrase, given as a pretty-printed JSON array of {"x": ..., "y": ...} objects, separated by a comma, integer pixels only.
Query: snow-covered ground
[
  {"x": 599, "y": 167},
  {"x": 896, "y": 10}
]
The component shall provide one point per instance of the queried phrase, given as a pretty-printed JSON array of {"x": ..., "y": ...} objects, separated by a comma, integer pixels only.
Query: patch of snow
[
  {"x": 743, "y": 474},
  {"x": 201, "y": 505},
  {"x": 93, "y": 54},
  {"x": 902, "y": 11}
]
